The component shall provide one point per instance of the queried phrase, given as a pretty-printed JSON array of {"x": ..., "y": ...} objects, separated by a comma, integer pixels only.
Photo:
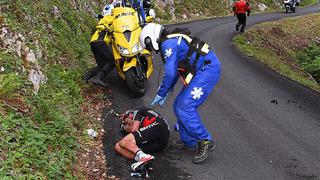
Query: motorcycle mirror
[{"x": 98, "y": 16}]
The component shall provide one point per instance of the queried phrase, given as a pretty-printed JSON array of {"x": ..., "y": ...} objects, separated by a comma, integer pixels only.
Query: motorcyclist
[
  {"x": 147, "y": 8},
  {"x": 147, "y": 132},
  {"x": 99, "y": 44},
  {"x": 199, "y": 68},
  {"x": 99, "y": 47},
  {"x": 240, "y": 8},
  {"x": 290, "y": 5}
]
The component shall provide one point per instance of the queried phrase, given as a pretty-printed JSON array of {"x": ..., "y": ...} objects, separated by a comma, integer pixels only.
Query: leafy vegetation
[
  {"x": 9, "y": 84},
  {"x": 39, "y": 131},
  {"x": 205, "y": 8},
  {"x": 310, "y": 61},
  {"x": 293, "y": 43},
  {"x": 308, "y": 2}
]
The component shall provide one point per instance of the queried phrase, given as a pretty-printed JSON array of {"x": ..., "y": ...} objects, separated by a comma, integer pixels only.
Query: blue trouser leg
[{"x": 189, "y": 99}]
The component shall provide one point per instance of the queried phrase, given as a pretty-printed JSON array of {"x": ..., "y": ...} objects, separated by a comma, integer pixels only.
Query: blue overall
[
  {"x": 193, "y": 95},
  {"x": 138, "y": 4}
]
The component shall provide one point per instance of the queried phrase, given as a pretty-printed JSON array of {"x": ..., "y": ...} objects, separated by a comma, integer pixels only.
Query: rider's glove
[{"x": 159, "y": 99}]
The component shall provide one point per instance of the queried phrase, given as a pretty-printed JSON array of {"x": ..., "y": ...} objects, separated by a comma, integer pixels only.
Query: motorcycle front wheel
[{"x": 134, "y": 83}]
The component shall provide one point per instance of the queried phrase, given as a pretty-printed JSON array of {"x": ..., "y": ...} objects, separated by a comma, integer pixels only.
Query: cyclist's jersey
[
  {"x": 153, "y": 134},
  {"x": 147, "y": 116}
]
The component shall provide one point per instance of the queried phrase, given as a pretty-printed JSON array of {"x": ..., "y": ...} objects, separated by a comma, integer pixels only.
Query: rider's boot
[
  {"x": 99, "y": 79},
  {"x": 88, "y": 75}
]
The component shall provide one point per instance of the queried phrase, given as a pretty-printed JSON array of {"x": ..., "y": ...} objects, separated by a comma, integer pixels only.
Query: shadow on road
[{"x": 163, "y": 167}]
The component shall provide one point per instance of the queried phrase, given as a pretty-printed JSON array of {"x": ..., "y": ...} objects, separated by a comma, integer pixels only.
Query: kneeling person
[{"x": 148, "y": 132}]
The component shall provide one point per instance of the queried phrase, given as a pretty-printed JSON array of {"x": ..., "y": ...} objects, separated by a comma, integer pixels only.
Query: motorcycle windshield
[{"x": 125, "y": 19}]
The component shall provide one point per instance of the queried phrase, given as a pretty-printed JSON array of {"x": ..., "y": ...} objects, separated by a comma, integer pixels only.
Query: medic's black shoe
[
  {"x": 178, "y": 144},
  {"x": 212, "y": 146},
  {"x": 202, "y": 152}
]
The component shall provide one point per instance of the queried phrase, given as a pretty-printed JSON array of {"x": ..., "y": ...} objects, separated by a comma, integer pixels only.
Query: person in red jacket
[{"x": 240, "y": 8}]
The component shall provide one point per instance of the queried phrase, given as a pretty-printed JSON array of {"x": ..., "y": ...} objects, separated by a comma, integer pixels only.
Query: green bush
[
  {"x": 310, "y": 61},
  {"x": 60, "y": 97},
  {"x": 34, "y": 150},
  {"x": 9, "y": 84},
  {"x": 43, "y": 144},
  {"x": 9, "y": 62},
  {"x": 308, "y": 2}
]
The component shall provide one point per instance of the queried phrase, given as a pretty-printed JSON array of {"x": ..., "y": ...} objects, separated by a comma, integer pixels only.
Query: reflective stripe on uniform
[{"x": 204, "y": 48}]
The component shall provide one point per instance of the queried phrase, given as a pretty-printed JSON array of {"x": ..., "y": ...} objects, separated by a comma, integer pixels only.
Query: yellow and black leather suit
[{"x": 99, "y": 46}]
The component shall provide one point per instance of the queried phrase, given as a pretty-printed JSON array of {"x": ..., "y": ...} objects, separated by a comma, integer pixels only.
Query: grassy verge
[
  {"x": 41, "y": 131},
  {"x": 290, "y": 46},
  {"x": 308, "y": 2},
  {"x": 38, "y": 140}
]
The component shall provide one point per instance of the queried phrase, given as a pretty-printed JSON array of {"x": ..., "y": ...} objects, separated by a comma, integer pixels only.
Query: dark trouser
[
  {"x": 102, "y": 55},
  {"x": 241, "y": 21},
  {"x": 104, "y": 60}
]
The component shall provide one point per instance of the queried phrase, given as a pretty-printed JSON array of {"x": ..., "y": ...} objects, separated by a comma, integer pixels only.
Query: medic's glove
[
  {"x": 160, "y": 100},
  {"x": 171, "y": 89}
]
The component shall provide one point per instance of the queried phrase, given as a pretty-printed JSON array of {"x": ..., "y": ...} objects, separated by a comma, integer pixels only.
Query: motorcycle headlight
[
  {"x": 135, "y": 48},
  {"x": 123, "y": 50}
]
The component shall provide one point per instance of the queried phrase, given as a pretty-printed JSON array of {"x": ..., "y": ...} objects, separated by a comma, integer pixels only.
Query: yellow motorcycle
[{"x": 133, "y": 63}]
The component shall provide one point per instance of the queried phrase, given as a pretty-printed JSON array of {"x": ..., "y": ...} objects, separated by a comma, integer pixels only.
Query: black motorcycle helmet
[
  {"x": 147, "y": 3},
  {"x": 126, "y": 3}
]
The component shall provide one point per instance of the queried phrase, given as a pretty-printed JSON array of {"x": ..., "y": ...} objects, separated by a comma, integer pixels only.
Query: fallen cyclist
[{"x": 148, "y": 132}]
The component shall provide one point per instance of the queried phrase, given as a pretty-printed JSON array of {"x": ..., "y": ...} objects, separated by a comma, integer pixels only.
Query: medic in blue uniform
[
  {"x": 138, "y": 6},
  {"x": 190, "y": 59}
]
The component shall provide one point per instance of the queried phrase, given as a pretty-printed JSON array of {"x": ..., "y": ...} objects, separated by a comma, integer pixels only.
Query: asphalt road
[{"x": 265, "y": 125}]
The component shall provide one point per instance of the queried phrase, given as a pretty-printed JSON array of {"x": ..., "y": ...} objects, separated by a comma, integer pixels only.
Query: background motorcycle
[{"x": 290, "y": 5}]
